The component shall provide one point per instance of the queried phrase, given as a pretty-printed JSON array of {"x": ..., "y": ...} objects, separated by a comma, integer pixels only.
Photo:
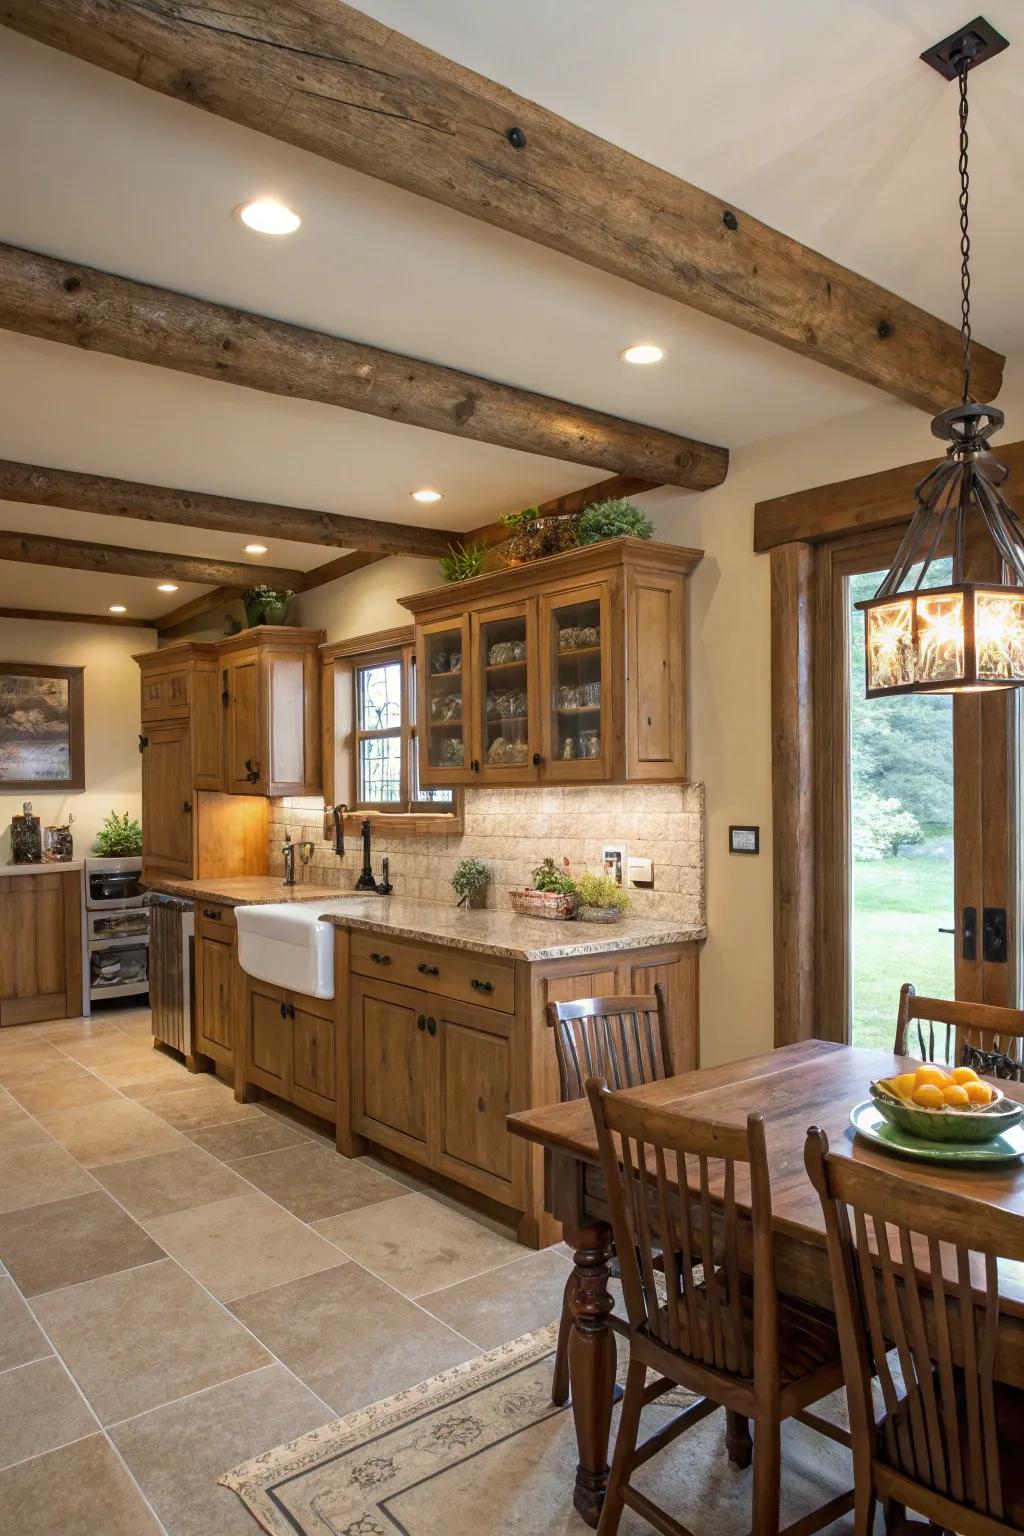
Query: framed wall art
[{"x": 42, "y": 741}]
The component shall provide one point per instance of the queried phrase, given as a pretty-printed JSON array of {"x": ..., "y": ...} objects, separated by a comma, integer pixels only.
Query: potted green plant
[
  {"x": 612, "y": 519},
  {"x": 266, "y": 605},
  {"x": 120, "y": 837},
  {"x": 470, "y": 882},
  {"x": 602, "y": 899},
  {"x": 552, "y": 894},
  {"x": 463, "y": 561}
]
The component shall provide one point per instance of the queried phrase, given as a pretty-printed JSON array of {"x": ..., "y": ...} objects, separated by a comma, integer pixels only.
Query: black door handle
[
  {"x": 482, "y": 986},
  {"x": 380, "y": 959},
  {"x": 212, "y": 913},
  {"x": 431, "y": 1026},
  {"x": 994, "y": 935},
  {"x": 421, "y": 1022},
  {"x": 284, "y": 1010},
  {"x": 252, "y": 770},
  {"x": 946, "y": 930},
  {"x": 143, "y": 743},
  {"x": 475, "y": 766},
  {"x": 186, "y": 806},
  {"x": 291, "y": 1010},
  {"x": 427, "y": 970},
  {"x": 969, "y": 943},
  {"x": 537, "y": 759}
]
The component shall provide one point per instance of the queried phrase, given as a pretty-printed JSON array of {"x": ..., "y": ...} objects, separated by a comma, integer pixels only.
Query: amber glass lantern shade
[{"x": 944, "y": 640}]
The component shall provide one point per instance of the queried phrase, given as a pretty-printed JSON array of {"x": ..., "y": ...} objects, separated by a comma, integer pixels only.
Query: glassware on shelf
[{"x": 446, "y": 746}]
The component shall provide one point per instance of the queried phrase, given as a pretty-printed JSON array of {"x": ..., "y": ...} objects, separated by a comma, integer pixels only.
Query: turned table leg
[{"x": 592, "y": 1366}]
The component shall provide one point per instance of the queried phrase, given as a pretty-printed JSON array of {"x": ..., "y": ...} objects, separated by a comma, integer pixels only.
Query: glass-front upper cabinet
[
  {"x": 443, "y": 716},
  {"x": 505, "y": 669},
  {"x": 575, "y": 672}
]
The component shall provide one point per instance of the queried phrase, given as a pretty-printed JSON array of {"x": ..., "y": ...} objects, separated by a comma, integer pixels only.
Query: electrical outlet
[
  {"x": 641, "y": 872},
  {"x": 613, "y": 860}
]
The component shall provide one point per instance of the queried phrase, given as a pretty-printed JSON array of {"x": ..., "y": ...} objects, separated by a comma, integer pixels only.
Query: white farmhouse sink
[{"x": 286, "y": 944}]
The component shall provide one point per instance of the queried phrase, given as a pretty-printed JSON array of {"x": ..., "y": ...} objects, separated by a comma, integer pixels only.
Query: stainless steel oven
[
  {"x": 113, "y": 883},
  {"x": 118, "y": 929}
]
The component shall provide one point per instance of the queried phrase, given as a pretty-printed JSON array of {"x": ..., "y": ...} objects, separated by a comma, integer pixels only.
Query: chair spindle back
[
  {"x": 955, "y": 1034},
  {"x": 623, "y": 1039}
]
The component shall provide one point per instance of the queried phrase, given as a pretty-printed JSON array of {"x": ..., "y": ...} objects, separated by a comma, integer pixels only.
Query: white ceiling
[{"x": 814, "y": 115}]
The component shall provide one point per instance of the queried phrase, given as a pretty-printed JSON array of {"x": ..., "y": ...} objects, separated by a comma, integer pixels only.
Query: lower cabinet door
[
  {"x": 393, "y": 1067},
  {"x": 474, "y": 1056},
  {"x": 269, "y": 1037},
  {"x": 218, "y": 999},
  {"x": 313, "y": 1062}
]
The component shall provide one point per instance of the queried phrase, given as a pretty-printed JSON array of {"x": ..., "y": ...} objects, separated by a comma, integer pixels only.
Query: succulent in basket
[
  {"x": 602, "y": 899},
  {"x": 470, "y": 882},
  {"x": 547, "y": 877},
  {"x": 936, "y": 1104}
]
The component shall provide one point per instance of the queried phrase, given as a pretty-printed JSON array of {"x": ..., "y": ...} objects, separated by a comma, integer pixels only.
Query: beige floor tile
[
  {"x": 17, "y": 1125},
  {"x": 144, "y": 1337},
  {"x": 60, "y": 1030},
  {"x": 497, "y": 1306},
  {"x": 265, "y": 1133},
  {"x": 40, "y": 1409},
  {"x": 236, "y": 1247},
  {"x": 15, "y": 1036},
  {"x": 169, "y": 1181},
  {"x": 194, "y": 1109},
  {"x": 108, "y": 1045},
  {"x": 45, "y": 1065},
  {"x": 105, "y": 1133},
  {"x": 349, "y": 1337},
  {"x": 177, "y": 1453},
  {"x": 417, "y": 1244},
  {"x": 40, "y": 1097},
  {"x": 31, "y": 1174},
  {"x": 79, "y": 1490},
  {"x": 21, "y": 1338},
  {"x": 149, "y": 1072},
  {"x": 67, "y": 1241},
  {"x": 312, "y": 1181}
]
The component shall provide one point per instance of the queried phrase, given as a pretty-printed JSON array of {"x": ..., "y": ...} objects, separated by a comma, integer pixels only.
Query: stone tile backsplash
[{"x": 512, "y": 830}]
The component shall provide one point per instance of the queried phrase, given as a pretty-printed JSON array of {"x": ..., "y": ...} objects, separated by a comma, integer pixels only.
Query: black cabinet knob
[
  {"x": 143, "y": 743},
  {"x": 537, "y": 759},
  {"x": 212, "y": 913},
  {"x": 475, "y": 766},
  {"x": 427, "y": 970},
  {"x": 252, "y": 770},
  {"x": 482, "y": 986},
  {"x": 186, "y": 806},
  {"x": 431, "y": 1026},
  {"x": 284, "y": 1010},
  {"x": 421, "y": 1022},
  {"x": 380, "y": 959}
]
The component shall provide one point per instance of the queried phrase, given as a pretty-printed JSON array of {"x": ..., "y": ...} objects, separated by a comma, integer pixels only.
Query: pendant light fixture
[{"x": 966, "y": 635}]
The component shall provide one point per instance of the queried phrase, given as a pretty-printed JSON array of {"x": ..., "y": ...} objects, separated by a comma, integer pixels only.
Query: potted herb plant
[
  {"x": 553, "y": 893},
  {"x": 612, "y": 519},
  {"x": 266, "y": 605},
  {"x": 470, "y": 882},
  {"x": 463, "y": 561},
  {"x": 602, "y": 899},
  {"x": 120, "y": 837}
]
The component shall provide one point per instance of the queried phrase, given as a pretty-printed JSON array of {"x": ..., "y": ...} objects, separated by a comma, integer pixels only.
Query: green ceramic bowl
[{"x": 962, "y": 1125}]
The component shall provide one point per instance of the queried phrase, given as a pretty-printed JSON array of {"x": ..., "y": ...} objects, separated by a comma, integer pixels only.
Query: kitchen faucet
[
  {"x": 288, "y": 848},
  {"x": 338, "y": 814},
  {"x": 366, "y": 882}
]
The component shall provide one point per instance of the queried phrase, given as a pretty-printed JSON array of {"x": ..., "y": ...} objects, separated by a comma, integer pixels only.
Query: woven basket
[
  {"x": 554, "y": 904},
  {"x": 600, "y": 915}
]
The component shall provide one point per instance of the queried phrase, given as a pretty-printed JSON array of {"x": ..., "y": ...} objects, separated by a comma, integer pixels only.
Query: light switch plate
[
  {"x": 641, "y": 871},
  {"x": 613, "y": 860}
]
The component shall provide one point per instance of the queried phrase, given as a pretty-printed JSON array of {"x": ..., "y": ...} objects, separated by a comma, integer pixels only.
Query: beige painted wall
[
  {"x": 112, "y": 774},
  {"x": 730, "y": 684}
]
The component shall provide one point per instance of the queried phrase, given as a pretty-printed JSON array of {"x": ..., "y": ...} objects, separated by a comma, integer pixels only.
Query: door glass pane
[
  {"x": 504, "y": 686},
  {"x": 901, "y": 803},
  {"x": 575, "y": 640},
  {"x": 442, "y": 798},
  {"x": 445, "y": 727}
]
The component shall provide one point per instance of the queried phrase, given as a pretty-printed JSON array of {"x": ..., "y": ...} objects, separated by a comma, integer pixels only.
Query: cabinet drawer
[
  {"x": 165, "y": 695},
  {"x": 214, "y": 921},
  {"x": 447, "y": 972}
]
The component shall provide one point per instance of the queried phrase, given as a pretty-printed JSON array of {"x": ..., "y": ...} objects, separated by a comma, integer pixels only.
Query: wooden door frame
[{"x": 810, "y": 793}]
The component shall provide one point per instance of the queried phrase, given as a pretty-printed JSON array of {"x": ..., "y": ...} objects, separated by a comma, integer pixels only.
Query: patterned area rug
[{"x": 482, "y": 1448}]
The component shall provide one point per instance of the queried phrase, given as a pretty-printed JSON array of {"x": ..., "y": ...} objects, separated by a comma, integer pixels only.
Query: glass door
[
  {"x": 443, "y": 716},
  {"x": 575, "y": 660},
  {"x": 505, "y": 668}
]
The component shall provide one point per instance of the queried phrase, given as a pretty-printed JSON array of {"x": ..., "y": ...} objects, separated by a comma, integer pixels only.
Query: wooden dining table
[{"x": 815, "y": 1082}]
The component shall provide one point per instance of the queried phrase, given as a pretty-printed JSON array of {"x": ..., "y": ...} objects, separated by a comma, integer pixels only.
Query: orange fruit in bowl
[
  {"x": 930, "y": 1076},
  {"x": 965, "y": 1075},
  {"x": 956, "y": 1096},
  {"x": 905, "y": 1084},
  {"x": 978, "y": 1093},
  {"x": 929, "y": 1096}
]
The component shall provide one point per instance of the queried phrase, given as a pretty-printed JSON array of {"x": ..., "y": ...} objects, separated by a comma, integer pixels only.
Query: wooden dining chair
[
  {"x": 729, "y": 1337},
  {"x": 954, "y": 1034},
  {"x": 915, "y": 1269},
  {"x": 627, "y": 1040}
]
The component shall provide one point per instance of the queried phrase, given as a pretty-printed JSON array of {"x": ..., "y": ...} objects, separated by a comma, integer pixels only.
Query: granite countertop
[
  {"x": 505, "y": 933},
  {"x": 54, "y": 867},
  {"x": 242, "y": 890}
]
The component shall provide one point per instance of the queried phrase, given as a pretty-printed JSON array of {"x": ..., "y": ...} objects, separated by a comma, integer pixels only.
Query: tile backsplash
[{"x": 512, "y": 830}]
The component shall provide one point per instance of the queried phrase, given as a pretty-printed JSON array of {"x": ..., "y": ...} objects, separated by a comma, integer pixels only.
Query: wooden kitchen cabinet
[
  {"x": 40, "y": 946},
  {"x": 287, "y": 1046},
  {"x": 167, "y": 797},
  {"x": 270, "y": 686},
  {"x": 572, "y": 670},
  {"x": 219, "y": 984}
]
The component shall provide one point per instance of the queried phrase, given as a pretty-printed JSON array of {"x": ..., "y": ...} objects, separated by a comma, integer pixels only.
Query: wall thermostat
[{"x": 744, "y": 839}]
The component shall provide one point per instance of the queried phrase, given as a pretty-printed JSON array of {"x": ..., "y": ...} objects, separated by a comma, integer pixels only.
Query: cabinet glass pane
[
  {"x": 577, "y": 719},
  {"x": 505, "y": 701},
  {"x": 444, "y": 725}
]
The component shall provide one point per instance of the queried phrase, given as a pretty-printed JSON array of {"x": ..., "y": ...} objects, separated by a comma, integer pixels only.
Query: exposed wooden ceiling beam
[
  {"x": 50, "y": 616},
  {"x": 318, "y": 74},
  {"x": 197, "y": 606},
  {"x": 62, "y": 301},
  {"x": 320, "y": 575},
  {"x": 861, "y": 505},
  {"x": 198, "y": 509},
  {"x": 78, "y": 555}
]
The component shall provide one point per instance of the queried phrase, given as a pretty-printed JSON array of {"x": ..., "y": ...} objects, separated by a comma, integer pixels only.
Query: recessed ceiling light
[
  {"x": 643, "y": 352},
  {"x": 268, "y": 217},
  {"x": 118, "y": 608},
  {"x": 167, "y": 586},
  {"x": 255, "y": 549},
  {"x": 426, "y": 495}
]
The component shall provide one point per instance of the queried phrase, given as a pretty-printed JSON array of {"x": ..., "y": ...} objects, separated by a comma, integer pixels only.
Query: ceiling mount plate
[{"x": 977, "y": 41}]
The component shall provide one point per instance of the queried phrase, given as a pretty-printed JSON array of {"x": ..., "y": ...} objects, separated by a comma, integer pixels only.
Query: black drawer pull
[
  {"x": 475, "y": 766},
  {"x": 284, "y": 1010},
  {"x": 379, "y": 959},
  {"x": 427, "y": 970},
  {"x": 482, "y": 986},
  {"x": 291, "y": 1010},
  {"x": 431, "y": 1026},
  {"x": 186, "y": 806},
  {"x": 212, "y": 914},
  {"x": 252, "y": 770},
  {"x": 143, "y": 743},
  {"x": 421, "y": 1022}
]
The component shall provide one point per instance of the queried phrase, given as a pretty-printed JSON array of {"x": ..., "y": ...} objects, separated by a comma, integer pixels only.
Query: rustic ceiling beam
[
  {"x": 63, "y": 301},
  {"x": 52, "y": 616},
  {"x": 78, "y": 555},
  {"x": 868, "y": 502},
  {"x": 80, "y": 492},
  {"x": 320, "y": 575},
  {"x": 325, "y": 77}
]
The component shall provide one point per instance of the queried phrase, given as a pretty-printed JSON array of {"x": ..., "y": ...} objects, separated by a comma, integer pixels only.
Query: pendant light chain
[{"x": 965, "y": 237}]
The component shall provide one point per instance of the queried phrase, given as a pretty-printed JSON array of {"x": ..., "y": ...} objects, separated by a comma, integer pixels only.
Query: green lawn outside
[{"x": 898, "y": 906}]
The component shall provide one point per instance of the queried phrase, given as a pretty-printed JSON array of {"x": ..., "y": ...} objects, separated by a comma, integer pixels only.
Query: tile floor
[{"x": 186, "y": 1282}]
